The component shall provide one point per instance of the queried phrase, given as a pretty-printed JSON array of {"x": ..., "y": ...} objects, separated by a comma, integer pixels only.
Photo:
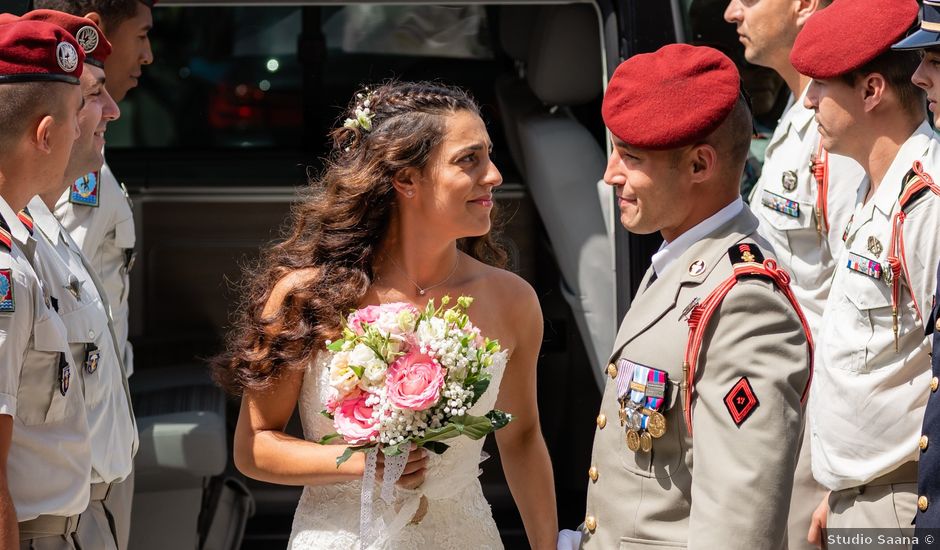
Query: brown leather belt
[{"x": 46, "y": 526}]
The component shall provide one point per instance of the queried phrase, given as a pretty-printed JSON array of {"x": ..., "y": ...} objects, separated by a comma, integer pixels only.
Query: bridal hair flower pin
[{"x": 363, "y": 113}]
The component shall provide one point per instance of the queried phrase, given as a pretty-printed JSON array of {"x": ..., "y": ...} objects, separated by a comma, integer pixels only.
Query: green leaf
[
  {"x": 478, "y": 388},
  {"x": 336, "y": 346},
  {"x": 347, "y": 454},
  {"x": 446, "y": 431},
  {"x": 327, "y": 438},
  {"x": 358, "y": 370},
  {"x": 327, "y": 414},
  {"x": 473, "y": 427},
  {"x": 498, "y": 418},
  {"x": 397, "y": 449},
  {"x": 436, "y": 447}
]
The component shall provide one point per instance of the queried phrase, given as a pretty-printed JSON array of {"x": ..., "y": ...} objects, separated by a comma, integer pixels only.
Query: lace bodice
[{"x": 458, "y": 516}]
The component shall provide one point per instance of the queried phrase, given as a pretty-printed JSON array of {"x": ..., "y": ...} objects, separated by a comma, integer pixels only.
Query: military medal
[
  {"x": 84, "y": 190},
  {"x": 65, "y": 374},
  {"x": 633, "y": 440},
  {"x": 92, "y": 355},
  {"x": 874, "y": 246},
  {"x": 646, "y": 442},
  {"x": 866, "y": 266},
  {"x": 789, "y": 180},
  {"x": 780, "y": 204},
  {"x": 656, "y": 425},
  {"x": 74, "y": 286}
]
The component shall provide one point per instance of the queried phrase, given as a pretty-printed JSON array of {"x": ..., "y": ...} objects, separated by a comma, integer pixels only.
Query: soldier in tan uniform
[
  {"x": 82, "y": 302},
  {"x": 45, "y": 460},
  {"x": 714, "y": 345}
]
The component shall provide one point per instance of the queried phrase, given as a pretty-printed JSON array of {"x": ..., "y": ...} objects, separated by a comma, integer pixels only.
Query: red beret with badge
[
  {"x": 36, "y": 51},
  {"x": 89, "y": 36},
  {"x": 849, "y": 34},
  {"x": 671, "y": 98}
]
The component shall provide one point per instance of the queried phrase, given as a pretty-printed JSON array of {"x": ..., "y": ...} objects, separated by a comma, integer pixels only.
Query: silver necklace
[{"x": 423, "y": 291}]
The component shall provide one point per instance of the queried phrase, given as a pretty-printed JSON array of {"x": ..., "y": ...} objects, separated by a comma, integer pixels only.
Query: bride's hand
[{"x": 416, "y": 468}]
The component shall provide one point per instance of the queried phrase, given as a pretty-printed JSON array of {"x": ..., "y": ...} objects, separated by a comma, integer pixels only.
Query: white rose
[
  {"x": 342, "y": 377},
  {"x": 431, "y": 330},
  {"x": 361, "y": 355}
]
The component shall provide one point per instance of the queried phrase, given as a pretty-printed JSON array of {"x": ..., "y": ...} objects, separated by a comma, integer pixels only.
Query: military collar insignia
[
  {"x": 697, "y": 267},
  {"x": 741, "y": 401},
  {"x": 745, "y": 253},
  {"x": 84, "y": 190},
  {"x": 27, "y": 219},
  {"x": 788, "y": 180}
]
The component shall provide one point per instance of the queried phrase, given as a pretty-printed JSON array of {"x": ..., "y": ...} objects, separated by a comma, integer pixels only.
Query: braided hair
[{"x": 336, "y": 227}]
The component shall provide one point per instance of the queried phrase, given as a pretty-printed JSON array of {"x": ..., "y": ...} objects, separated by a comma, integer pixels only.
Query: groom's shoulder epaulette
[
  {"x": 917, "y": 183},
  {"x": 747, "y": 260}
]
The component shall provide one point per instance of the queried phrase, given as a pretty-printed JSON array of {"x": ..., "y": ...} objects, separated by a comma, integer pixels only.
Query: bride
[{"x": 402, "y": 213}]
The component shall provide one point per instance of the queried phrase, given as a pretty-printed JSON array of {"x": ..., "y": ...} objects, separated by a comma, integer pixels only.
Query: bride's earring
[{"x": 410, "y": 194}]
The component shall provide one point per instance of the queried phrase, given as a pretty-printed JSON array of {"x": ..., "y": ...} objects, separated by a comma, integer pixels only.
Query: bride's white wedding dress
[{"x": 458, "y": 515}]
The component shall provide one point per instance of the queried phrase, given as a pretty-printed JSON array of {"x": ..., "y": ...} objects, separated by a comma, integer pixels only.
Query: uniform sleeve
[
  {"x": 15, "y": 330},
  {"x": 922, "y": 250},
  {"x": 90, "y": 225},
  {"x": 755, "y": 361}
]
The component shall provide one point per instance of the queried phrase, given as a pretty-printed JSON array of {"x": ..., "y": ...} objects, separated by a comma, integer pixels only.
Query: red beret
[
  {"x": 32, "y": 51},
  {"x": 89, "y": 36},
  {"x": 671, "y": 98},
  {"x": 850, "y": 33}
]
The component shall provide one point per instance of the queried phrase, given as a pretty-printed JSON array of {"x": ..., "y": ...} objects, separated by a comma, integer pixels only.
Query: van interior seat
[
  {"x": 514, "y": 98},
  {"x": 563, "y": 163},
  {"x": 183, "y": 444}
]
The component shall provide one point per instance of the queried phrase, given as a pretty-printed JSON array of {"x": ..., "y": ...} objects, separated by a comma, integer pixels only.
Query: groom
[{"x": 714, "y": 344}]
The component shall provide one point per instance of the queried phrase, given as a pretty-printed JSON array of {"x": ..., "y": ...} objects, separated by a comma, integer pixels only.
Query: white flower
[
  {"x": 361, "y": 356},
  {"x": 342, "y": 376},
  {"x": 431, "y": 331}
]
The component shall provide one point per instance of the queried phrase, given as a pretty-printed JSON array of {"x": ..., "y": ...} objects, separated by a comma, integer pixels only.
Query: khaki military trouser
[
  {"x": 806, "y": 497},
  {"x": 888, "y": 502},
  {"x": 105, "y": 524},
  {"x": 49, "y": 533}
]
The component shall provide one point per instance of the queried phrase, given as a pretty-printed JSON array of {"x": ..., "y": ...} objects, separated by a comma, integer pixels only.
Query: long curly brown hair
[{"x": 336, "y": 227}]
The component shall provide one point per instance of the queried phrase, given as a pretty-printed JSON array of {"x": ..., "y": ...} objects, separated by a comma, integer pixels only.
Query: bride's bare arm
[
  {"x": 264, "y": 452},
  {"x": 522, "y": 450}
]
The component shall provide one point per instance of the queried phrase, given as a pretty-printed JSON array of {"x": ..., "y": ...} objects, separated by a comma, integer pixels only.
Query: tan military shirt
[
  {"x": 92, "y": 343},
  {"x": 49, "y": 462},
  {"x": 729, "y": 486},
  {"x": 106, "y": 235}
]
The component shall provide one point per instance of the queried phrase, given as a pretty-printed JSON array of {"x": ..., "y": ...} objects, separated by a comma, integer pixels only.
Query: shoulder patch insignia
[
  {"x": 741, "y": 401},
  {"x": 7, "y": 304},
  {"x": 745, "y": 253},
  {"x": 84, "y": 190}
]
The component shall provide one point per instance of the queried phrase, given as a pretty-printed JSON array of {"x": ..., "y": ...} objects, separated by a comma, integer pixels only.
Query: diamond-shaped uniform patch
[{"x": 741, "y": 401}]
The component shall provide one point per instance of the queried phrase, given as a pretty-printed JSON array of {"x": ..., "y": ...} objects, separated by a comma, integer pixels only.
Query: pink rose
[
  {"x": 414, "y": 381},
  {"x": 368, "y": 314},
  {"x": 353, "y": 419}
]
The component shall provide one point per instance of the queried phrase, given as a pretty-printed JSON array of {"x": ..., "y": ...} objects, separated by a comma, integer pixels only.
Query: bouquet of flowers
[{"x": 399, "y": 376}]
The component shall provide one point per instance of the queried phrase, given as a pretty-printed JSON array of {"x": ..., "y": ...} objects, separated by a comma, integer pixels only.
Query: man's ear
[
  {"x": 95, "y": 18},
  {"x": 873, "y": 89},
  {"x": 703, "y": 162},
  {"x": 43, "y": 136},
  {"x": 405, "y": 182},
  {"x": 804, "y": 9}
]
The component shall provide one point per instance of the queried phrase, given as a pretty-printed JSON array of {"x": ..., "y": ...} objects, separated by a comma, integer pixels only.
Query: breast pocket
[
  {"x": 665, "y": 459},
  {"x": 46, "y": 381},
  {"x": 787, "y": 214},
  {"x": 874, "y": 320},
  {"x": 84, "y": 327}
]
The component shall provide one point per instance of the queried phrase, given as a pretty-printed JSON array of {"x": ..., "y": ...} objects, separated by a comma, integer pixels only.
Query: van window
[{"x": 275, "y": 77}]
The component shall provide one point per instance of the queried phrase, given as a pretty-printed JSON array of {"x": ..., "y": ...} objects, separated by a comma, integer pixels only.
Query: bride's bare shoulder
[{"x": 500, "y": 286}]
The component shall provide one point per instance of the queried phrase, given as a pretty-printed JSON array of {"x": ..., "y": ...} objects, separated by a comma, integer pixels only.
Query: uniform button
[
  {"x": 922, "y": 503},
  {"x": 934, "y": 383},
  {"x": 601, "y": 420},
  {"x": 923, "y": 443},
  {"x": 612, "y": 370},
  {"x": 91, "y": 334},
  {"x": 590, "y": 523},
  {"x": 592, "y": 473}
]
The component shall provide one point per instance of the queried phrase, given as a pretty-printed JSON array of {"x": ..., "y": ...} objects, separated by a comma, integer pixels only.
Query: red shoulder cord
[
  {"x": 897, "y": 260},
  {"x": 819, "y": 166},
  {"x": 702, "y": 314}
]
